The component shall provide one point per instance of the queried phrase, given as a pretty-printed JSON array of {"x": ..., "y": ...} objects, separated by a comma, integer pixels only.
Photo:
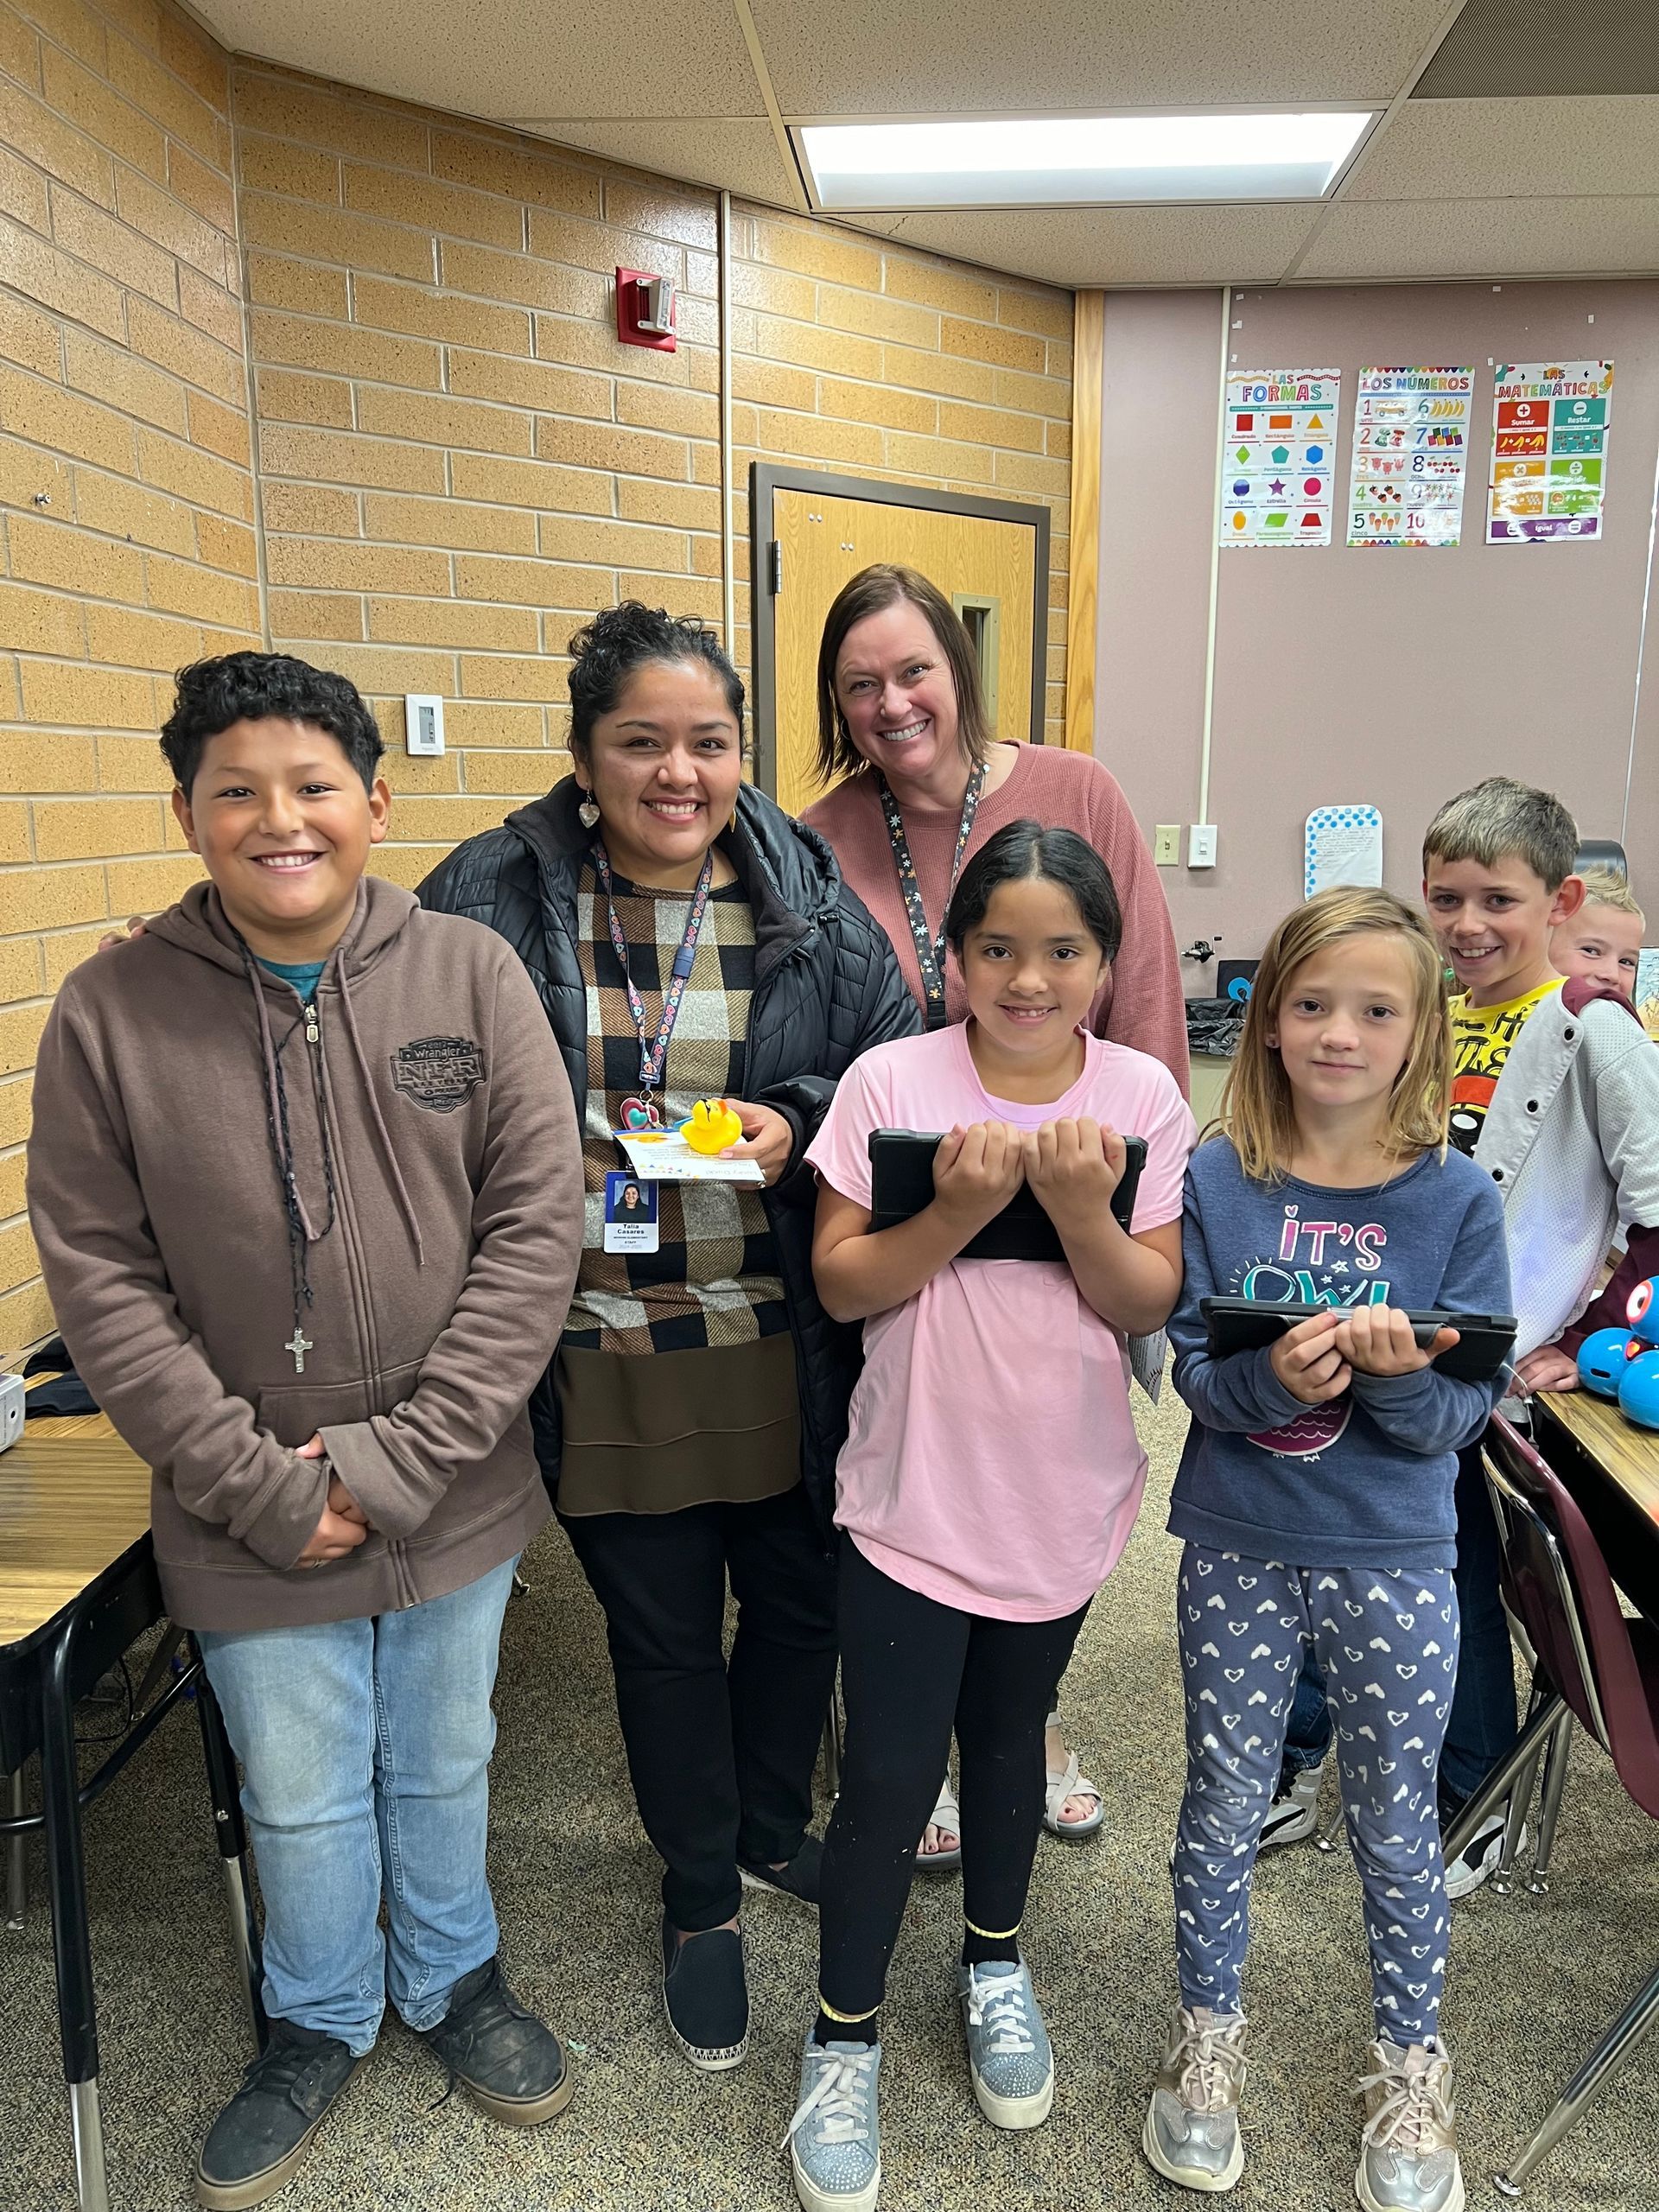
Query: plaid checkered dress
[{"x": 714, "y": 1278}]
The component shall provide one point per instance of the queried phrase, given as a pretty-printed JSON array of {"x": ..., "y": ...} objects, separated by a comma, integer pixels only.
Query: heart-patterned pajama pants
[{"x": 1387, "y": 1644}]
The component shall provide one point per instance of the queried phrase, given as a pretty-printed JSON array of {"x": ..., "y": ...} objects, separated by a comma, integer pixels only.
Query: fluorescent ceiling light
[{"x": 1049, "y": 161}]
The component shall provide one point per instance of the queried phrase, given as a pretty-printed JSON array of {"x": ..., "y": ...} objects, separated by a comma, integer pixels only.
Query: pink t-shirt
[{"x": 992, "y": 1464}]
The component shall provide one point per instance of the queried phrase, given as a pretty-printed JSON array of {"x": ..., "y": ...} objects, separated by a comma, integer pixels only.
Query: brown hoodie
[{"x": 428, "y": 1112}]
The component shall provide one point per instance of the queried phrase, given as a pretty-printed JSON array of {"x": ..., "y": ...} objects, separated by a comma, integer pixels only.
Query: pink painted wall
[{"x": 1394, "y": 677}]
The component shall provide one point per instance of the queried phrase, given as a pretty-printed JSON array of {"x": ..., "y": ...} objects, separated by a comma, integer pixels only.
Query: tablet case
[
  {"x": 1485, "y": 1340},
  {"x": 901, "y": 1176}
]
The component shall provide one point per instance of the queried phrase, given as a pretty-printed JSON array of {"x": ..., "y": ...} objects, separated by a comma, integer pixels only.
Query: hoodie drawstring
[
  {"x": 302, "y": 1234},
  {"x": 411, "y": 1219}
]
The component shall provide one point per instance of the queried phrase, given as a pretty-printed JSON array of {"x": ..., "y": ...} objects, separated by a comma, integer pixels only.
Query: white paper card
[{"x": 669, "y": 1159}]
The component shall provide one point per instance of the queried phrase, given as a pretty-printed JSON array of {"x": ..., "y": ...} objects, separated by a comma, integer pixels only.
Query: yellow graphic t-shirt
[{"x": 1483, "y": 1038}]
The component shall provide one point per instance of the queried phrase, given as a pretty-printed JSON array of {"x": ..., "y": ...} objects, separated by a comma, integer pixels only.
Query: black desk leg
[
  {"x": 71, "y": 1939},
  {"x": 232, "y": 1851}
]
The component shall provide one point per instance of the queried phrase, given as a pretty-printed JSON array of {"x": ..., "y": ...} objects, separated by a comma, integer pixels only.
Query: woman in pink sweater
[{"x": 921, "y": 784}]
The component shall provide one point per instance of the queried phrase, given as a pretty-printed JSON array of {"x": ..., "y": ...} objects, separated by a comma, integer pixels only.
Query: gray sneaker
[
  {"x": 1191, "y": 2131},
  {"x": 1409, "y": 2161},
  {"x": 834, "y": 2139},
  {"x": 1008, "y": 2056}
]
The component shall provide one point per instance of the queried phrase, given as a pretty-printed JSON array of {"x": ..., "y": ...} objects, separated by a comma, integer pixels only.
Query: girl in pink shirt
[{"x": 992, "y": 1473}]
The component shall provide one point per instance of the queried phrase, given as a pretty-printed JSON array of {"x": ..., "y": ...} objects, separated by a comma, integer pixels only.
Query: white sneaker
[
  {"x": 1478, "y": 1858},
  {"x": 1294, "y": 1813}
]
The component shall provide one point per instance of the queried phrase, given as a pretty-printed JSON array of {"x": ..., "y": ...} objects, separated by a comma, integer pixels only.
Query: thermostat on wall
[{"x": 424, "y": 723}]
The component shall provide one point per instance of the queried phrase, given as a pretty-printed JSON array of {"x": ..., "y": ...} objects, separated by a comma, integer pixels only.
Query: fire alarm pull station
[{"x": 645, "y": 310}]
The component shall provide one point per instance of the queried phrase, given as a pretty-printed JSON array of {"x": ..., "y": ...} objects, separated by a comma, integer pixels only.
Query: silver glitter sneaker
[
  {"x": 1409, "y": 2161},
  {"x": 1009, "y": 2060},
  {"x": 834, "y": 2139},
  {"x": 1191, "y": 2131}
]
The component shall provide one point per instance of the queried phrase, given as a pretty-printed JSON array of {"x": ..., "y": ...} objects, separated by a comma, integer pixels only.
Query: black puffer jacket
[{"x": 827, "y": 987}]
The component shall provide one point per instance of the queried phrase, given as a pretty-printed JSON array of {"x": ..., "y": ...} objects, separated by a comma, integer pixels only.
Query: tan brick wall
[
  {"x": 453, "y": 463},
  {"x": 126, "y": 491},
  {"x": 458, "y": 463}
]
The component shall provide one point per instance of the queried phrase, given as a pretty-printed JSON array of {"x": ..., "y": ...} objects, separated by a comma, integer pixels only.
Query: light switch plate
[
  {"x": 423, "y": 724},
  {"x": 1166, "y": 845},
  {"x": 1201, "y": 845}
]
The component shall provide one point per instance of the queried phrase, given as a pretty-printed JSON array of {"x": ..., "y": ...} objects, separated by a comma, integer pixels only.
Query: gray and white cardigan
[{"x": 1571, "y": 1138}]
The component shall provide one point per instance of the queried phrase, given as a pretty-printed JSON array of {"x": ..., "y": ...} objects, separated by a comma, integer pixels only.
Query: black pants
[
  {"x": 911, "y": 1670},
  {"x": 721, "y": 1754}
]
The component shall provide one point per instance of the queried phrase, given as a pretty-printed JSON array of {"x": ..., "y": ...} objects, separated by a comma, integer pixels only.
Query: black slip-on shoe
[
  {"x": 705, "y": 1997},
  {"x": 263, "y": 2136},
  {"x": 799, "y": 1879},
  {"x": 497, "y": 2048}
]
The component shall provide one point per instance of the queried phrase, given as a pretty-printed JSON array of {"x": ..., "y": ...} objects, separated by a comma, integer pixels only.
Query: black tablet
[
  {"x": 1484, "y": 1340},
  {"x": 901, "y": 1175}
]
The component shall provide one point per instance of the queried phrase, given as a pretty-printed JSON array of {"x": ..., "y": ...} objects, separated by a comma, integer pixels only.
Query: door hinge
[{"x": 775, "y": 566}]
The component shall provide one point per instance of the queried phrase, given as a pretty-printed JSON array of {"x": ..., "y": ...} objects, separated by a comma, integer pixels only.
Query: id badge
[{"x": 630, "y": 1213}]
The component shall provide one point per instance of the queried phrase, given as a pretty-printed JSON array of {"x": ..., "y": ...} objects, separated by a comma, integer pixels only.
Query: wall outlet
[
  {"x": 11, "y": 1410},
  {"x": 1166, "y": 844},
  {"x": 423, "y": 724},
  {"x": 1201, "y": 845}
]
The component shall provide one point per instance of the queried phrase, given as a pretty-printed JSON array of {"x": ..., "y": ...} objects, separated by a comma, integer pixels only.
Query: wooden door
[{"x": 989, "y": 567}]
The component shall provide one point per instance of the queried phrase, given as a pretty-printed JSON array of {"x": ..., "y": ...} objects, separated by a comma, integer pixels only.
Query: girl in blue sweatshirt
[{"x": 1315, "y": 1500}]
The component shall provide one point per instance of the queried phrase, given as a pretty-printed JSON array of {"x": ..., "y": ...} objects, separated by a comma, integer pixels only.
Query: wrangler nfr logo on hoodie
[{"x": 438, "y": 1073}]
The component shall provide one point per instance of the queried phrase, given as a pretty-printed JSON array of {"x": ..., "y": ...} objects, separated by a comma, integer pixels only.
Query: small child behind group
[
  {"x": 1315, "y": 1499},
  {"x": 1602, "y": 942},
  {"x": 992, "y": 1474}
]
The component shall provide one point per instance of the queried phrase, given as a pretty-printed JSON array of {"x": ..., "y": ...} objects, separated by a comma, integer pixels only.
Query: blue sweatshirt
[{"x": 1365, "y": 1480}]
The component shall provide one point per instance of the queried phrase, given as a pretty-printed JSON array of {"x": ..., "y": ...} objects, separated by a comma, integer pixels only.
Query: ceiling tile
[
  {"x": 868, "y": 57},
  {"x": 1117, "y": 245},
  {"x": 1537, "y": 148},
  {"x": 499, "y": 58},
  {"x": 741, "y": 156},
  {"x": 1401, "y": 238}
]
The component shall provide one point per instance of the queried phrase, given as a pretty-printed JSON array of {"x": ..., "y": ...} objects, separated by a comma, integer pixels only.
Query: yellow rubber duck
[{"x": 712, "y": 1126}]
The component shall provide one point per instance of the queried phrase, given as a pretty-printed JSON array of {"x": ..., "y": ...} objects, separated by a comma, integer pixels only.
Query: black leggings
[{"x": 912, "y": 1670}]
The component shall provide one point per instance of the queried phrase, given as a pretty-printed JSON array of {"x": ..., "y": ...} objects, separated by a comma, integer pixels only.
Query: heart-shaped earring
[{"x": 588, "y": 812}]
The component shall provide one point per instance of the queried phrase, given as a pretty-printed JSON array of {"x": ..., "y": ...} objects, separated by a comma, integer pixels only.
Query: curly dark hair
[
  {"x": 606, "y": 652},
  {"x": 211, "y": 695}
]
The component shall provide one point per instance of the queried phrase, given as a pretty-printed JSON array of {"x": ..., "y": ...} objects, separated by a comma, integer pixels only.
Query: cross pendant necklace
[{"x": 299, "y": 1344}]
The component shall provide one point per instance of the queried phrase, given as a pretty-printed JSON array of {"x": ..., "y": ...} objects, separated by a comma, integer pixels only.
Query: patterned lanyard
[
  {"x": 930, "y": 950},
  {"x": 653, "y": 1057}
]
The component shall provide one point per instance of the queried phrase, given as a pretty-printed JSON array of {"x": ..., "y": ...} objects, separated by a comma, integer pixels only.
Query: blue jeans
[
  {"x": 366, "y": 1752},
  {"x": 1482, "y": 1729}
]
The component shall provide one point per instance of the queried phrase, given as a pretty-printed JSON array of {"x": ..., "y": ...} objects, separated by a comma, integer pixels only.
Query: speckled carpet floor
[{"x": 1534, "y": 1980}]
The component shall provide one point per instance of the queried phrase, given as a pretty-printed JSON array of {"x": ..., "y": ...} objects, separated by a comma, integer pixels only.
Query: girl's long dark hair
[{"x": 1024, "y": 850}]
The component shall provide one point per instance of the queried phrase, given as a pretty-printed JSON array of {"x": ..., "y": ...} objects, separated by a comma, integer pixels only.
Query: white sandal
[
  {"x": 1069, "y": 1782},
  {"x": 947, "y": 1814}
]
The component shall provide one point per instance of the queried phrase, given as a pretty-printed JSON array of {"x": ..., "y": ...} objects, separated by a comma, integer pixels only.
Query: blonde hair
[
  {"x": 1605, "y": 886},
  {"x": 1258, "y": 1112}
]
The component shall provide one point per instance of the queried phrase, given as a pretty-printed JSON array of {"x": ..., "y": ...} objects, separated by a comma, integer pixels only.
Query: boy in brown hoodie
[{"x": 308, "y": 1193}]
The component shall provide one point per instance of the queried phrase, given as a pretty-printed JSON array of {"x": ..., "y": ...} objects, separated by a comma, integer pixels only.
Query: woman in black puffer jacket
[{"x": 690, "y": 1422}]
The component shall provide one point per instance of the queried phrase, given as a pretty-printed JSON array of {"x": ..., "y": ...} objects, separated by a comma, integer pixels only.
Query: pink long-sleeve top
[{"x": 1141, "y": 1001}]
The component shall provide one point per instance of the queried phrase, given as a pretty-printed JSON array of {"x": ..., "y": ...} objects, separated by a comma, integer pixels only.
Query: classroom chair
[{"x": 1595, "y": 1666}]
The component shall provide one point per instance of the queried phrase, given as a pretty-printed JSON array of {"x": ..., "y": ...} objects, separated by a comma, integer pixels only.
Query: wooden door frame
[{"x": 766, "y": 477}]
